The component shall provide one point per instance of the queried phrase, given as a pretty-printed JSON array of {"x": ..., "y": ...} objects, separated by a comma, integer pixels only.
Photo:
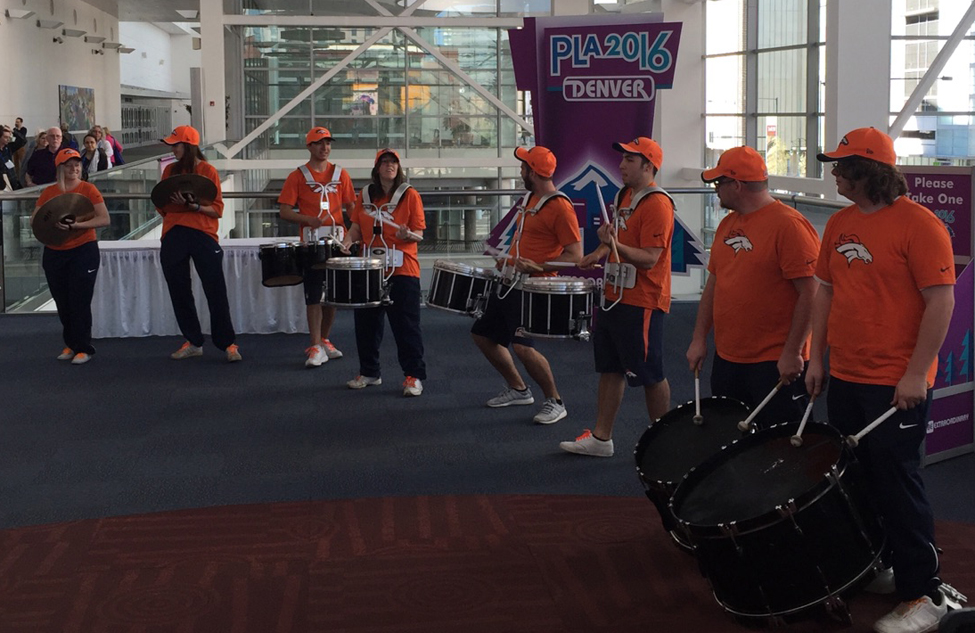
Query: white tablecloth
[{"x": 132, "y": 299}]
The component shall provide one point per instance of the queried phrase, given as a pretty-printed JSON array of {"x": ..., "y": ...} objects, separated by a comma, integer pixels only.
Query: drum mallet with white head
[
  {"x": 853, "y": 440},
  {"x": 746, "y": 424},
  {"x": 698, "y": 418},
  {"x": 796, "y": 440}
]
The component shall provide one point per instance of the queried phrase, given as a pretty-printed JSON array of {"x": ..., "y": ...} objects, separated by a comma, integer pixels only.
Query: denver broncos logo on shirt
[
  {"x": 852, "y": 248},
  {"x": 738, "y": 241}
]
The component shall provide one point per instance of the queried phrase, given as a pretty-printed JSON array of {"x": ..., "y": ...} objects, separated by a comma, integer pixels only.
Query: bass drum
[
  {"x": 674, "y": 444},
  {"x": 279, "y": 265},
  {"x": 460, "y": 288},
  {"x": 778, "y": 529}
]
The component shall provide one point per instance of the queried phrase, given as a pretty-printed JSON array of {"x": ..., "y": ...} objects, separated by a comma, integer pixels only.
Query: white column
[
  {"x": 214, "y": 90},
  {"x": 857, "y": 67},
  {"x": 678, "y": 124}
]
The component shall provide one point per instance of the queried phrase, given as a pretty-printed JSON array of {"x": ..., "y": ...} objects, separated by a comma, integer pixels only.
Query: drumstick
[
  {"x": 746, "y": 424},
  {"x": 378, "y": 216},
  {"x": 853, "y": 440},
  {"x": 501, "y": 256},
  {"x": 796, "y": 440},
  {"x": 698, "y": 418},
  {"x": 602, "y": 206}
]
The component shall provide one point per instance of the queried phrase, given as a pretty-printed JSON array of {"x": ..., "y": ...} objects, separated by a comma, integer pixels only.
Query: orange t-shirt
[
  {"x": 408, "y": 213},
  {"x": 754, "y": 259},
  {"x": 542, "y": 236},
  {"x": 650, "y": 225},
  {"x": 877, "y": 264},
  {"x": 177, "y": 215},
  {"x": 77, "y": 238},
  {"x": 296, "y": 193}
]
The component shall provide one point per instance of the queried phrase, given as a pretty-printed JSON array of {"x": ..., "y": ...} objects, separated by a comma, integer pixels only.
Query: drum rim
[
  {"x": 553, "y": 285},
  {"x": 770, "y": 517},
  {"x": 450, "y": 266},
  {"x": 278, "y": 245},
  {"x": 650, "y": 433},
  {"x": 354, "y": 263}
]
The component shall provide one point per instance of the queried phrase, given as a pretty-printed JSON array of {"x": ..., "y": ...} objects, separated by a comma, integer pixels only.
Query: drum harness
[
  {"x": 623, "y": 275},
  {"x": 377, "y": 213},
  {"x": 338, "y": 232},
  {"x": 512, "y": 279}
]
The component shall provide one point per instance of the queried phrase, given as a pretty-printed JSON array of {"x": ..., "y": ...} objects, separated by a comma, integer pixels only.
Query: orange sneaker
[
  {"x": 330, "y": 349},
  {"x": 316, "y": 356},
  {"x": 412, "y": 386},
  {"x": 233, "y": 354},
  {"x": 188, "y": 350},
  {"x": 66, "y": 354},
  {"x": 80, "y": 358}
]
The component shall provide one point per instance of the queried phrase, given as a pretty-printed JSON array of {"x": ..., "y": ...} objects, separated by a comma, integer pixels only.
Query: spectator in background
[
  {"x": 39, "y": 140},
  {"x": 103, "y": 143},
  {"x": 67, "y": 139},
  {"x": 116, "y": 148},
  {"x": 8, "y": 175},
  {"x": 40, "y": 168},
  {"x": 93, "y": 158},
  {"x": 19, "y": 143}
]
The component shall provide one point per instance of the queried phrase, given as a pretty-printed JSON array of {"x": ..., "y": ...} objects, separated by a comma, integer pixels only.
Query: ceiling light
[
  {"x": 188, "y": 14},
  {"x": 126, "y": 50},
  {"x": 49, "y": 24},
  {"x": 18, "y": 14},
  {"x": 94, "y": 39},
  {"x": 111, "y": 45},
  {"x": 72, "y": 32}
]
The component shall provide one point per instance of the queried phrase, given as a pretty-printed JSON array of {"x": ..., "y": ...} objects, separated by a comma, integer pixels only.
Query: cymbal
[
  {"x": 201, "y": 188},
  {"x": 44, "y": 221}
]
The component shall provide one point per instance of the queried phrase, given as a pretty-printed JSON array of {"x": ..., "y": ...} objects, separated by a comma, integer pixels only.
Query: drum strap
[
  {"x": 323, "y": 189},
  {"x": 385, "y": 213}
]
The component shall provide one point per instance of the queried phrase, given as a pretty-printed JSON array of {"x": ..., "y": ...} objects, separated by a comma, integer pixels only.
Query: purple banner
[
  {"x": 593, "y": 81},
  {"x": 955, "y": 357},
  {"x": 948, "y": 192},
  {"x": 950, "y": 426}
]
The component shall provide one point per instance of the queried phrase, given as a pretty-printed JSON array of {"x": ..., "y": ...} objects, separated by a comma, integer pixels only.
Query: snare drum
[
  {"x": 674, "y": 444},
  {"x": 460, "y": 288},
  {"x": 279, "y": 265},
  {"x": 778, "y": 529},
  {"x": 353, "y": 282},
  {"x": 557, "y": 307},
  {"x": 313, "y": 255}
]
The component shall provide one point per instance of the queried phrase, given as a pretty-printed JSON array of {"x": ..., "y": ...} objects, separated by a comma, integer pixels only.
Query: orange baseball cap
[
  {"x": 183, "y": 134},
  {"x": 385, "y": 151},
  {"x": 540, "y": 159},
  {"x": 644, "y": 146},
  {"x": 738, "y": 163},
  {"x": 65, "y": 155},
  {"x": 866, "y": 142},
  {"x": 317, "y": 134}
]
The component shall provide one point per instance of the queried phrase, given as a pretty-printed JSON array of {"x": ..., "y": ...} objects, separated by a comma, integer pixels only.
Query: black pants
[
  {"x": 891, "y": 457},
  {"x": 751, "y": 382},
  {"x": 179, "y": 245},
  {"x": 71, "y": 278},
  {"x": 404, "y": 321}
]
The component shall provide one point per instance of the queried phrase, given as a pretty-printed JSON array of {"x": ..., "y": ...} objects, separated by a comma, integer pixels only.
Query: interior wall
[{"x": 35, "y": 65}]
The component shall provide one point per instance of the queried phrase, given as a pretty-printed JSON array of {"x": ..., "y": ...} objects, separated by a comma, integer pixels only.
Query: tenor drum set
[{"x": 551, "y": 307}]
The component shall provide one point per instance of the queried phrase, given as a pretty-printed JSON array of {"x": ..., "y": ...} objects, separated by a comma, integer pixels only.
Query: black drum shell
[
  {"x": 314, "y": 255},
  {"x": 456, "y": 288},
  {"x": 353, "y": 282},
  {"x": 279, "y": 265},
  {"x": 552, "y": 307},
  {"x": 805, "y": 530}
]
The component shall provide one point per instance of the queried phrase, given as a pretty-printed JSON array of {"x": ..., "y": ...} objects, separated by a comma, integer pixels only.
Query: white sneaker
[
  {"x": 66, "y": 354},
  {"x": 917, "y": 616},
  {"x": 551, "y": 412},
  {"x": 188, "y": 350},
  {"x": 882, "y": 583},
  {"x": 361, "y": 382},
  {"x": 316, "y": 356},
  {"x": 330, "y": 349},
  {"x": 586, "y": 444},
  {"x": 80, "y": 358},
  {"x": 509, "y": 396},
  {"x": 412, "y": 386}
]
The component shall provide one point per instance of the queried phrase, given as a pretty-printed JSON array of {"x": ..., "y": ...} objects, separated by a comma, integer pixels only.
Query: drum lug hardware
[
  {"x": 581, "y": 327},
  {"x": 833, "y": 476},
  {"x": 787, "y": 510},
  {"x": 953, "y": 596},
  {"x": 837, "y": 609}
]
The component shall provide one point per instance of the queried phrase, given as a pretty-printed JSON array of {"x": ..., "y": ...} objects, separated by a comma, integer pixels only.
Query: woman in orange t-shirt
[
  {"x": 399, "y": 244},
  {"x": 72, "y": 266},
  {"x": 189, "y": 232}
]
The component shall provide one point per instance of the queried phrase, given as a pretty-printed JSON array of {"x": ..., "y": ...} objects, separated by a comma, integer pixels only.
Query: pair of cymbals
[
  {"x": 65, "y": 207},
  {"x": 192, "y": 187}
]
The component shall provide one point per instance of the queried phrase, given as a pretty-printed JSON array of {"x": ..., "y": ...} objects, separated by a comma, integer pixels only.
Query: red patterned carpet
[{"x": 495, "y": 564}]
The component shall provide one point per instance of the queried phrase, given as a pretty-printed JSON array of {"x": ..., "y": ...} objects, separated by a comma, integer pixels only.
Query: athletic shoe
[
  {"x": 80, "y": 358},
  {"x": 187, "y": 351},
  {"x": 316, "y": 356},
  {"x": 412, "y": 386},
  {"x": 882, "y": 583},
  {"x": 361, "y": 382},
  {"x": 509, "y": 396},
  {"x": 551, "y": 412},
  {"x": 917, "y": 616},
  {"x": 66, "y": 354},
  {"x": 586, "y": 444},
  {"x": 233, "y": 354},
  {"x": 330, "y": 349}
]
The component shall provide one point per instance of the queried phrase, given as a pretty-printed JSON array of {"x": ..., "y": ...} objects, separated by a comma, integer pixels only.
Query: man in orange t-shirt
[
  {"x": 547, "y": 233},
  {"x": 759, "y": 293},
  {"x": 627, "y": 338},
  {"x": 320, "y": 195},
  {"x": 887, "y": 273}
]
